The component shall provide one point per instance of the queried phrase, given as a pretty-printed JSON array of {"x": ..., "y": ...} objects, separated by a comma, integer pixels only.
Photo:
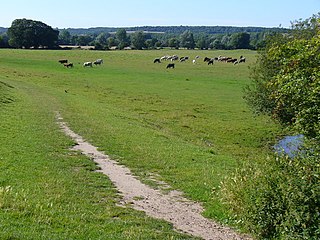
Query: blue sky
[{"x": 130, "y": 13}]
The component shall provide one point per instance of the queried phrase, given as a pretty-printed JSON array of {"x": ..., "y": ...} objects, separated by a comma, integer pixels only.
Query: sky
[{"x": 131, "y": 13}]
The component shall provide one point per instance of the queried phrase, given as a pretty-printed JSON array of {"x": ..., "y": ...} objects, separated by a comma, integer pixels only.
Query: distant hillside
[
  {"x": 202, "y": 29},
  {"x": 3, "y": 30},
  {"x": 175, "y": 29}
]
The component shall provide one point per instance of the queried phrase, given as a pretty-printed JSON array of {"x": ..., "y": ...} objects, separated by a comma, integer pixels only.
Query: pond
[{"x": 290, "y": 145}]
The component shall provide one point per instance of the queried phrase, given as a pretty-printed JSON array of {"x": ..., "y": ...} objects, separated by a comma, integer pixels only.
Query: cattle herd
[
  {"x": 68, "y": 64},
  {"x": 209, "y": 61},
  {"x": 166, "y": 58}
]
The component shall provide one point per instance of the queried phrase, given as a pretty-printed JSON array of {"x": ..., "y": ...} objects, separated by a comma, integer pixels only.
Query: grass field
[{"x": 188, "y": 126}]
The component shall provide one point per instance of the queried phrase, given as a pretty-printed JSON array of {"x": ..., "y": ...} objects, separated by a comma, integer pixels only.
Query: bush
[
  {"x": 286, "y": 78},
  {"x": 278, "y": 199}
]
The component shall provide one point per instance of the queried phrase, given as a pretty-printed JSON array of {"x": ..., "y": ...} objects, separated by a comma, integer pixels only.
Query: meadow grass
[{"x": 188, "y": 126}]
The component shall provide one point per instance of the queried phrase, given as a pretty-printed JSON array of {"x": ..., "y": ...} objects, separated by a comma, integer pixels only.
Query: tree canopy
[
  {"x": 240, "y": 40},
  {"x": 187, "y": 40},
  {"x": 25, "y": 33},
  {"x": 121, "y": 36},
  {"x": 138, "y": 40},
  {"x": 286, "y": 79}
]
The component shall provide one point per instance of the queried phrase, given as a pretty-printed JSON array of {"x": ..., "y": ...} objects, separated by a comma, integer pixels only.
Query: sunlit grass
[{"x": 189, "y": 126}]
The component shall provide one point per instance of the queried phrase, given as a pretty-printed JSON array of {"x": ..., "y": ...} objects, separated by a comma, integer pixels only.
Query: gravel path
[{"x": 185, "y": 215}]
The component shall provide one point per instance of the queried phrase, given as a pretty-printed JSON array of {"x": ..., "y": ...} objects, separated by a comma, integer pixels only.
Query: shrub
[
  {"x": 286, "y": 78},
  {"x": 278, "y": 199}
]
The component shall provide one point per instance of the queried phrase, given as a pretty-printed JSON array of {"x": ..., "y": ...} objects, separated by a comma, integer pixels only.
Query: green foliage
[
  {"x": 201, "y": 43},
  {"x": 240, "y": 41},
  {"x": 64, "y": 37},
  {"x": 177, "y": 30},
  {"x": 173, "y": 43},
  {"x": 152, "y": 43},
  {"x": 138, "y": 40},
  {"x": 122, "y": 38},
  {"x": 187, "y": 40},
  {"x": 286, "y": 80},
  {"x": 204, "y": 36},
  {"x": 297, "y": 87},
  {"x": 25, "y": 33},
  {"x": 111, "y": 41},
  {"x": 4, "y": 41},
  {"x": 101, "y": 41},
  {"x": 279, "y": 199}
]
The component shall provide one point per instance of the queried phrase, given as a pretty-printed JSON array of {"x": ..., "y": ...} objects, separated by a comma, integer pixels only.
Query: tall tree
[
  {"x": 101, "y": 41},
  {"x": 173, "y": 43},
  {"x": 102, "y": 38},
  {"x": 122, "y": 38},
  {"x": 64, "y": 37},
  {"x": 240, "y": 41},
  {"x": 29, "y": 33},
  {"x": 112, "y": 42},
  {"x": 152, "y": 43},
  {"x": 138, "y": 40},
  {"x": 4, "y": 41},
  {"x": 187, "y": 40},
  {"x": 202, "y": 42},
  {"x": 225, "y": 41}
]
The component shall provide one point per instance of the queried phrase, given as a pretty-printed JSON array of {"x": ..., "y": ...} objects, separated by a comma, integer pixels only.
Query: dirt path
[{"x": 172, "y": 207}]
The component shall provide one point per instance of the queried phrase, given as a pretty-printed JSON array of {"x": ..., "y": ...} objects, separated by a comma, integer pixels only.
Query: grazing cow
[
  {"x": 156, "y": 60},
  {"x": 87, "y": 64},
  {"x": 67, "y": 65},
  {"x": 62, "y": 61},
  {"x": 210, "y": 61},
  {"x": 164, "y": 58},
  {"x": 243, "y": 59},
  {"x": 173, "y": 58},
  {"x": 223, "y": 59},
  {"x": 232, "y": 60},
  {"x": 98, "y": 62},
  {"x": 183, "y": 59},
  {"x": 194, "y": 61},
  {"x": 206, "y": 59},
  {"x": 170, "y": 65}
]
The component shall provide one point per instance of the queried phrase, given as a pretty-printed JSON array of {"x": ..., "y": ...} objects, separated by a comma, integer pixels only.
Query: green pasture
[{"x": 187, "y": 126}]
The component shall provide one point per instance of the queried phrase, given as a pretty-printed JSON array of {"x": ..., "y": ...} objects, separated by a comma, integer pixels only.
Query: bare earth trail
[{"x": 184, "y": 214}]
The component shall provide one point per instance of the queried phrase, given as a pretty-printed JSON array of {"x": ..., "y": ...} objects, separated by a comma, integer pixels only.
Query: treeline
[
  {"x": 25, "y": 34},
  {"x": 176, "y": 30},
  {"x": 154, "y": 37}
]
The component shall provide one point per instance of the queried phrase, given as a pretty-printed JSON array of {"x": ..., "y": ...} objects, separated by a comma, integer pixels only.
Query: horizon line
[{"x": 92, "y": 27}]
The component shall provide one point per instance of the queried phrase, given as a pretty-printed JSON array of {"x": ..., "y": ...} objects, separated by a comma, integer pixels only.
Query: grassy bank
[{"x": 188, "y": 126}]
